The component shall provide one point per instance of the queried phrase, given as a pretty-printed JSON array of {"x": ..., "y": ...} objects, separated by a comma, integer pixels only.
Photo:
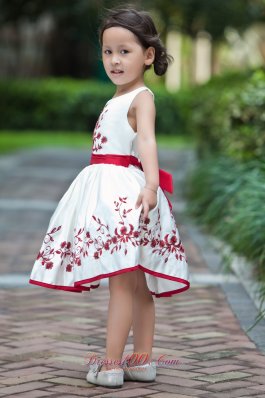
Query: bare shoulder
[{"x": 143, "y": 100}]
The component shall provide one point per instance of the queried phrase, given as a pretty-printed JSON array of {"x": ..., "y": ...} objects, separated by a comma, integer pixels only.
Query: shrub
[
  {"x": 227, "y": 116},
  {"x": 229, "y": 197},
  {"x": 68, "y": 104},
  {"x": 226, "y": 190}
]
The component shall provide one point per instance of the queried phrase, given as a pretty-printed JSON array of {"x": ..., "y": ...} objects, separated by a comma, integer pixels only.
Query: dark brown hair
[{"x": 141, "y": 24}]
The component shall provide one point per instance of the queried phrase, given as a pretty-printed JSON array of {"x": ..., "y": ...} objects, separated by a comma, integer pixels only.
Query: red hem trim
[
  {"x": 78, "y": 288},
  {"x": 66, "y": 288}
]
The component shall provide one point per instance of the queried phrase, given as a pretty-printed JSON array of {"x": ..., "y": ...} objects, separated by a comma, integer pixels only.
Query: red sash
[{"x": 165, "y": 178}]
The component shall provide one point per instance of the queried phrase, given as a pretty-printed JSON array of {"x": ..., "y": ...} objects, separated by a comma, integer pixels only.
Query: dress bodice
[{"x": 112, "y": 133}]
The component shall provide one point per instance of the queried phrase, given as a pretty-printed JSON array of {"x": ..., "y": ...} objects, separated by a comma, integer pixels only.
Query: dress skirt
[{"x": 96, "y": 232}]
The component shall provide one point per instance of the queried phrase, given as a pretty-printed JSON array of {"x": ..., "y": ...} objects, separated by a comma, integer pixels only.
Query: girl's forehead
[{"x": 117, "y": 35}]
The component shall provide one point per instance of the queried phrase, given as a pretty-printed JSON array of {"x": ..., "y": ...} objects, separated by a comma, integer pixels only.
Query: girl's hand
[{"x": 148, "y": 198}]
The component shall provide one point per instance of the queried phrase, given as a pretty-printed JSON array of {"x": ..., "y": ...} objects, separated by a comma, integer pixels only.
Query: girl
[{"x": 115, "y": 219}]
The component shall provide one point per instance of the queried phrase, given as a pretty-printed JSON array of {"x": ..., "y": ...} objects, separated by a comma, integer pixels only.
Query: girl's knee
[
  {"x": 126, "y": 281},
  {"x": 141, "y": 281},
  {"x": 142, "y": 290}
]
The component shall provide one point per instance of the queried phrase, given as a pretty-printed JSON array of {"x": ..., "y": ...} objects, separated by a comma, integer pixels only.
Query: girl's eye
[{"x": 122, "y": 51}]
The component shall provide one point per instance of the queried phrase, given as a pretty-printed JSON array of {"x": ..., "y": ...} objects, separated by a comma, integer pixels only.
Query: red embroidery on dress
[
  {"x": 98, "y": 138},
  {"x": 119, "y": 239}
]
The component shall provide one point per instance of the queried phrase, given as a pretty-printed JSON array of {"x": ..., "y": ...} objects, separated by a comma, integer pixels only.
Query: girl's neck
[{"x": 120, "y": 90}]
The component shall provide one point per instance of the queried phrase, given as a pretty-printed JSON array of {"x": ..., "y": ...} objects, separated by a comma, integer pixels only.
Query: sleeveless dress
[{"x": 95, "y": 231}]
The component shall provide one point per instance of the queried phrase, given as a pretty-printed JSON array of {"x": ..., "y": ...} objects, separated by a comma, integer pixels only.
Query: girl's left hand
[{"x": 148, "y": 199}]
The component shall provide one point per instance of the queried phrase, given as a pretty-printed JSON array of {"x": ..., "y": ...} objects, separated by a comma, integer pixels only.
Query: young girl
[{"x": 115, "y": 220}]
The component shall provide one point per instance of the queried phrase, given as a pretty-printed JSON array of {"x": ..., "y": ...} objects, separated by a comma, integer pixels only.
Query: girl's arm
[{"x": 147, "y": 148}]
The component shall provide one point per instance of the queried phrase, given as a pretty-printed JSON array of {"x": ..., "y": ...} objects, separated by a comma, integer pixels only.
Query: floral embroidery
[
  {"x": 123, "y": 235},
  {"x": 98, "y": 138}
]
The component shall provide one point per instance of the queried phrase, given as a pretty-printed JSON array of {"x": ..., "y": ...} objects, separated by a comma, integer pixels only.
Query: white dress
[{"x": 95, "y": 231}]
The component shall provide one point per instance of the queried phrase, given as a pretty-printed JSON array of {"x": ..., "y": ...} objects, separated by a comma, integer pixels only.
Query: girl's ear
[{"x": 149, "y": 55}]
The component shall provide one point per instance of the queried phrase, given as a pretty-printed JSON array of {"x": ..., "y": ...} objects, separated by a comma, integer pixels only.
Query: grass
[
  {"x": 11, "y": 141},
  {"x": 227, "y": 197}
]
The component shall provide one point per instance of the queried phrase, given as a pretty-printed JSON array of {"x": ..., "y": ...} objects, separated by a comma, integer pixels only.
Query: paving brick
[
  {"x": 24, "y": 379},
  {"x": 180, "y": 390},
  {"x": 25, "y": 371},
  {"x": 260, "y": 387},
  {"x": 259, "y": 396},
  {"x": 24, "y": 364},
  {"x": 205, "y": 335},
  {"x": 209, "y": 348},
  {"x": 69, "y": 381},
  {"x": 180, "y": 373},
  {"x": 70, "y": 359},
  {"x": 68, "y": 373},
  {"x": 258, "y": 379},
  {"x": 75, "y": 396},
  {"x": 68, "y": 366},
  {"x": 230, "y": 385},
  {"x": 220, "y": 362},
  {"x": 137, "y": 392},
  {"x": 241, "y": 392},
  {"x": 178, "y": 381},
  {"x": 255, "y": 371},
  {"x": 213, "y": 378},
  {"x": 167, "y": 395},
  {"x": 32, "y": 394},
  {"x": 32, "y": 386},
  {"x": 214, "y": 355},
  {"x": 223, "y": 369},
  {"x": 25, "y": 343},
  {"x": 89, "y": 391}
]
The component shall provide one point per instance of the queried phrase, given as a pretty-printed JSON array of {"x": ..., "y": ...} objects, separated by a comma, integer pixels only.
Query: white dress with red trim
[{"x": 96, "y": 232}]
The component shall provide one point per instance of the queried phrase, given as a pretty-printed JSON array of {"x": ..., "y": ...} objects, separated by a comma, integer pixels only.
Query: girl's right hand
[{"x": 148, "y": 198}]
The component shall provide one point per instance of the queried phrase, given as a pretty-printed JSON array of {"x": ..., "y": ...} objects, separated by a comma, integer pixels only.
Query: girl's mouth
[{"x": 116, "y": 72}]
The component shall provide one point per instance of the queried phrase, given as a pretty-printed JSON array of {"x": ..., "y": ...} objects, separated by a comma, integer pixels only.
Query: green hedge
[
  {"x": 228, "y": 196},
  {"x": 227, "y": 116},
  {"x": 226, "y": 190},
  {"x": 67, "y": 104}
]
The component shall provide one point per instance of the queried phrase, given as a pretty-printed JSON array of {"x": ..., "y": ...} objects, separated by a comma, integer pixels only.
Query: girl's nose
[{"x": 115, "y": 59}]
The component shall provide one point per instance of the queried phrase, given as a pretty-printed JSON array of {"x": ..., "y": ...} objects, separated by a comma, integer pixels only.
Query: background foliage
[
  {"x": 226, "y": 191},
  {"x": 228, "y": 115},
  {"x": 69, "y": 104},
  {"x": 74, "y": 48}
]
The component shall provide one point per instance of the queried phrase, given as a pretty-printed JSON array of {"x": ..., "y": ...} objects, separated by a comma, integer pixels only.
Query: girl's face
[{"x": 123, "y": 57}]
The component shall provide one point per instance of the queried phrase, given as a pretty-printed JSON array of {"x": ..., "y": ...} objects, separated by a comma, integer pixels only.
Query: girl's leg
[
  {"x": 143, "y": 319},
  {"x": 122, "y": 290}
]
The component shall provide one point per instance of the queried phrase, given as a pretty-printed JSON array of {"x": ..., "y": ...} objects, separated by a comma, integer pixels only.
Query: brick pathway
[{"x": 47, "y": 335}]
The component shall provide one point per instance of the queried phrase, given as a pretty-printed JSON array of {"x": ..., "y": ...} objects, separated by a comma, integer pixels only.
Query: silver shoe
[
  {"x": 112, "y": 378},
  {"x": 145, "y": 372}
]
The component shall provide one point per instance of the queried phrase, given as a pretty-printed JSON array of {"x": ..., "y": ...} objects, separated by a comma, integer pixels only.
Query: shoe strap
[{"x": 96, "y": 368}]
